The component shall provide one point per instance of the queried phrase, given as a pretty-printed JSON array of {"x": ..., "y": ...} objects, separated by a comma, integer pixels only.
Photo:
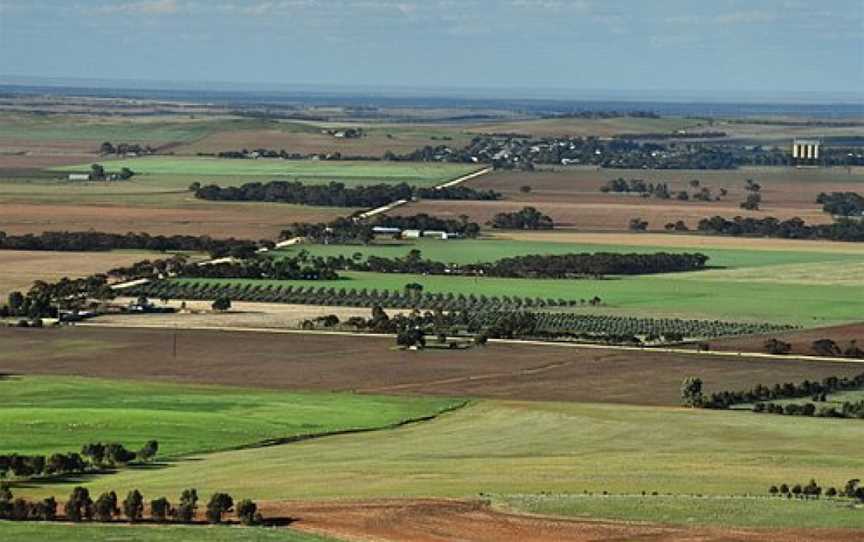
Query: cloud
[{"x": 145, "y": 7}]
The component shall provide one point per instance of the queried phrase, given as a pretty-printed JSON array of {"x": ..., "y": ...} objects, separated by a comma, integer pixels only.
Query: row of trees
[
  {"x": 335, "y": 194},
  {"x": 528, "y": 218},
  {"x": 846, "y": 409},
  {"x": 821, "y": 347},
  {"x": 761, "y": 393},
  {"x": 793, "y": 228},
  {"x": 812, "y": 490},
  {"x": 661, "y": 190},
  {"x": 92, "y": 456},
  {"x": 93, "y": 241},
  {"x": 80, "y": 507}
]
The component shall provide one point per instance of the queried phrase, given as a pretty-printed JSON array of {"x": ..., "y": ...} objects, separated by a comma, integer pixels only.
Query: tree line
[
  {"x": 92, "y": 456},
  {"x": 812, "y": 490},
  {"x": 80, "y": 507},
  {"x": 661, "y": 190},
  {"x": 528, "y": 218},
  {"x": 336, "y": 194},
  {"x": 693, "y": 395},
  {"x": 793, "y": 228},
  {"x": 842, "y": 203},
  {"x": 94, "y": 241}
]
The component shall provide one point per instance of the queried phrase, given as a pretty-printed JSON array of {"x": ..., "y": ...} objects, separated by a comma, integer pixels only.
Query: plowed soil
[
  {"x": 371, "y": 365},
  {"x": 438, "y": 520},
  {"x": 801, "y": 340}
]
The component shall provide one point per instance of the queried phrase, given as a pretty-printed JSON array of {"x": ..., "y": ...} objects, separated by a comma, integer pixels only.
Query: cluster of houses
[{"x": 414, "y": 234}]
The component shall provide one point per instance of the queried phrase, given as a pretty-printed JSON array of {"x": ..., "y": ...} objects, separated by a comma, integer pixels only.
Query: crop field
[
  {"x": 20, "y": 268},
  {"x": 800, "y": 340},
  {"x": 550, "y": 447},
  {"x": 572, "y": 197},
  {"x": 45, "y": 415},
  {"x": 307, "y": 171},
  {"x": 661, "y": 295},
  {"x": 296, "y": 361}
]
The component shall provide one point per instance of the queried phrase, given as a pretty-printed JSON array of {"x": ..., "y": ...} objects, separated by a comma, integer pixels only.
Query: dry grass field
[
  {"x": 19, "y": 268},
  {"x": 572, "y": 197},
  {"x": 371, "y": 365}
]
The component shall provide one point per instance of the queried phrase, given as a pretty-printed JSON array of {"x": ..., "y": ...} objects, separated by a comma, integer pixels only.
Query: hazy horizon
[{"x": 760, "y": 49}]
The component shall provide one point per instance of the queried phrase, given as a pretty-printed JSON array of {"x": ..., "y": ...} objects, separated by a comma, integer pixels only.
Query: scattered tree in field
[
  {"x": 637, "y": 224},
  {"x": 222, "y": 303},
  {"x": 528, "y": 218},
  {"x": 776, "y": 346},
  {"x": 220, "y": 503},
  {"x": 133, "y": 506},
  {"x": 160, "y": 510},
  {"x": 826, "y": 347},
  {"x": 97, "y": 172},
  {"x": 752, "y": 202},
  {"x": 525, "y": 189},
  {"x": 691, "y": 391}
]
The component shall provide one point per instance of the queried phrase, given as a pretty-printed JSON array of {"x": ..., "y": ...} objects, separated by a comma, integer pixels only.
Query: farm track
[
  {"x": 446, "y": 520},
  {"x": 602, "y": 347}
]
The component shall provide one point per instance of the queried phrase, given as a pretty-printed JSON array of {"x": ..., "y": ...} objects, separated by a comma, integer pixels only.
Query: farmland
[
  {"x": 19, "y": 268},
  {"x": 307, "y": 171},
  {"x": 572, "y": 197},
  {"x": 44, "y": 415},
  {"x": 551, "y": 447}
]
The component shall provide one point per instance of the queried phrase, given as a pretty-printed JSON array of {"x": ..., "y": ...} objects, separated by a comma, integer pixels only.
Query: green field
[
  {"x": 487, "y": 250},
  {"x": 518, "y": 448},
  {"x": 308, "y": 171},
  {"x": 59, "y": 414},
  {"x": 31, "y": 532},
  {"x": 141, "y": 130},
  {"x": 659, "y": 295}
]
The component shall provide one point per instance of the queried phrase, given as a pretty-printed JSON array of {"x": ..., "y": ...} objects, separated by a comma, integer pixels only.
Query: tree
[
  {"x": 222, "y": 303},
  {"x": 160, "y": 509},
  {"x": 247, "y": 511},
  {"x": 79, "y": 506},
  {"x": 525, "y": 189},
  {"x": 775, "y": 346},
  {"x": 133, "y": 506},
  {"x": 637, "y": 224},
  {"x": 106, "y": 506},
  {"x": 149, "y": 450},
  {"x": 691, "y": 391},
  {"x": 97, "y": 172},
  {"x": 188, "y": 506},
  {"x": 753, "y": 201},
  {"x": 220, "y": 503}
]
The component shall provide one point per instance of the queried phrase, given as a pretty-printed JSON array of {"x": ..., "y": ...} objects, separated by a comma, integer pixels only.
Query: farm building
[
  {"x": 386, "y": 231},
  {"x": 79, "y": 176}
]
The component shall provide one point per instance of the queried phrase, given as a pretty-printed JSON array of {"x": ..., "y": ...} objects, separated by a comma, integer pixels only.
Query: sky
[{"x": 710, "y": 46}]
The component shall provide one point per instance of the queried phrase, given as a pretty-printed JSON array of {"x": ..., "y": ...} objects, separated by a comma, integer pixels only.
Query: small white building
[
  {"x": 386, "y": 231},
  {"x": 411, "y": 234},
  {"x": 79, "y": 176}
]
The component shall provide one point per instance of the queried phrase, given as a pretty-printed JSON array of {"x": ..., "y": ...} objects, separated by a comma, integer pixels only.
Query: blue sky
[{"x": 655, "y": 45}]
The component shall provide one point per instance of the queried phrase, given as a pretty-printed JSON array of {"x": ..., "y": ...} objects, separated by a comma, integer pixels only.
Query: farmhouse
[{"x": 79, "y": 176}]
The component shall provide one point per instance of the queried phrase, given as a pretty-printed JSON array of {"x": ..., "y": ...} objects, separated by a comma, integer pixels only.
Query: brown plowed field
[
  {"x": 439, "y": 520},
  {"x": 328, "y": 362},
  {"x": 572, "y": 197},
  {"x": 801, "y": 340},
  {"x": 218, "y": 220}
]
